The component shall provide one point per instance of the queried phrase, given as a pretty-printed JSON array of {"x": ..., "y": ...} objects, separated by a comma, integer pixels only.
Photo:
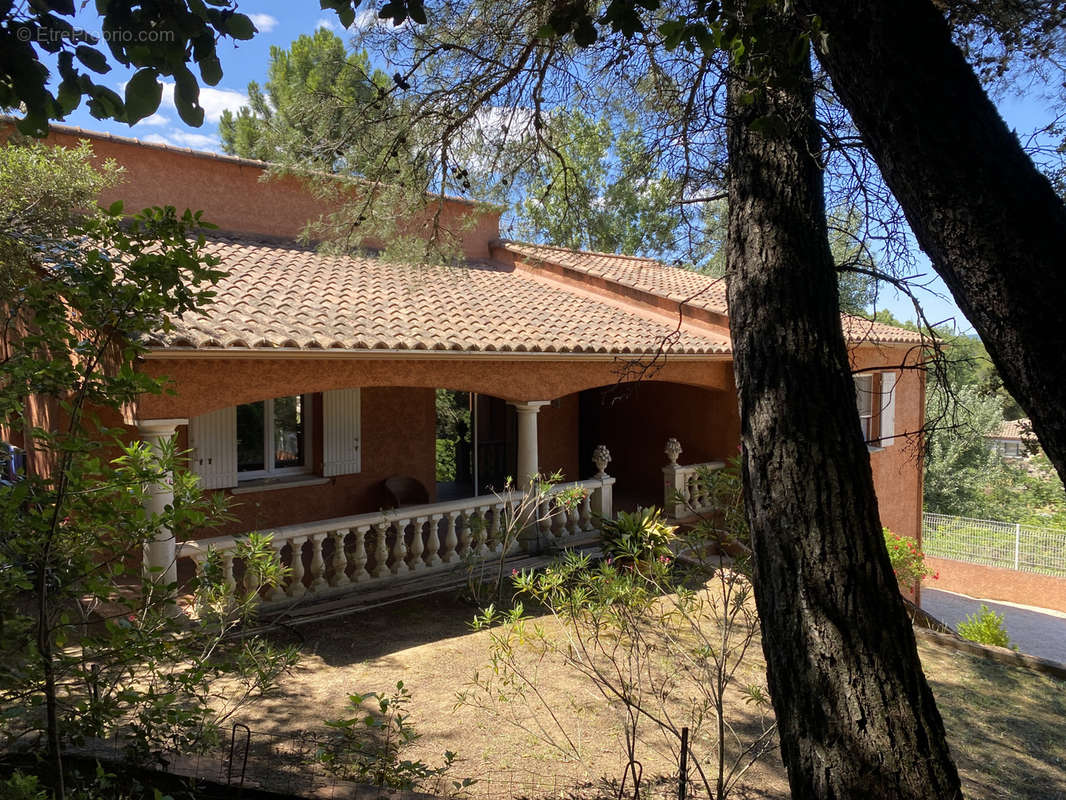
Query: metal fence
[{"x": 995, "y": 544}]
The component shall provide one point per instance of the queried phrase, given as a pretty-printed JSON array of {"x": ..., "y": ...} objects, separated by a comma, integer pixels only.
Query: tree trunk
[
  {"x": 989, "y": 221},
  {"x": 856, "y": 716}
]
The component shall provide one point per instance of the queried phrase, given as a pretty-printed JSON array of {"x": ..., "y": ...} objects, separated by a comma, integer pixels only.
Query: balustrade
[
  {"x": 346, "y": 553},
  {"x": 685, "y": 489}
]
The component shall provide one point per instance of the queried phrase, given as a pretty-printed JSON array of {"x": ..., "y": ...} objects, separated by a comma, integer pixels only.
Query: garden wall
[{"x": 997, "y": 583}]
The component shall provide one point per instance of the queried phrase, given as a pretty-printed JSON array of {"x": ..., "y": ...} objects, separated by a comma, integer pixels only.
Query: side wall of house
[{"x": 897, "y": 466}]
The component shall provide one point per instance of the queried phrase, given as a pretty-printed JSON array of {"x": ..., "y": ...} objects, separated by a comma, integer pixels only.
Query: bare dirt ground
[{"x": 1004, "y": 723}]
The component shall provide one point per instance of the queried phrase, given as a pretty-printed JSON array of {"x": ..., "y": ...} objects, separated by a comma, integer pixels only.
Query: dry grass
[{"x": 1004, "y": 723}]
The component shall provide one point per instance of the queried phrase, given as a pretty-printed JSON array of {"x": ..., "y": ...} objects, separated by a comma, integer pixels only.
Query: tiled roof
[
  {"x": 645, "y": 274},
  {"x": 287, "y": 296},
  {"x": 682, "y": 285},
  {"x": 1013, "y": 429}
]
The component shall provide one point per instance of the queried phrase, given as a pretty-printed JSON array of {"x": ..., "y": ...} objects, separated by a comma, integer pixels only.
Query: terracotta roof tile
[
  {"x": 286, "y": 296},
  {"x": 681, "y": 285},
  {"x": 635, "y": 272}
]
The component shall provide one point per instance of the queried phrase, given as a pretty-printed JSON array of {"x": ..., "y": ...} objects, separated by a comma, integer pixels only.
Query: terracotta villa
[{"x": 308, "y": 389}]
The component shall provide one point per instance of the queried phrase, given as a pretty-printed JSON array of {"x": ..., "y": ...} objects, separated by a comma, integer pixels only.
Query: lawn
[{"x": 1004, "y": 723}]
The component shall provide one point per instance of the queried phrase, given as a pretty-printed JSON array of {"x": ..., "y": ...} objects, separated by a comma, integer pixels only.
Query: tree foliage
[
  {"x": 87, "y": 643},
  {"x": 157, "y": 39},
  {"x": 311, "y": 98}
]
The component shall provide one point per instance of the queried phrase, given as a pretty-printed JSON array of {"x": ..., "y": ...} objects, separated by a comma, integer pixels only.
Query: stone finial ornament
[
  {"x": 672, "y": 450},
  {"x": 601, "y": 457}
]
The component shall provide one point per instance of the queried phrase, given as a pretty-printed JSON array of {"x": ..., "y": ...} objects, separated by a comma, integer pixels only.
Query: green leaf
[
  {"x": 143, "y": 95},
  {"x": 187, "y": 98},
  {"x": 115, "y": 208},
  {"x": 211, "y": 70},
  {"x": 92, "y": 58},
  {"x": 239, "y": 26}
]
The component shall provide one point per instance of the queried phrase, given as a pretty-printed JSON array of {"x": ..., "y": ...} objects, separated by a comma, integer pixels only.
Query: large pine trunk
[
  {"x": 990, "y": 222},
  {"x": 856, "y": 716}
]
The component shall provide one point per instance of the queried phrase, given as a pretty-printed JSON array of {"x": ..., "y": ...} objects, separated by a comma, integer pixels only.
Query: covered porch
[{"x": 340, "y": 532}]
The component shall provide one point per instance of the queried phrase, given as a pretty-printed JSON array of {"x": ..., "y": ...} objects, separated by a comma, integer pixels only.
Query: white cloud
[
  {"x": 328, "y": 24},
  {"x": 213, "y": 101},
  {"x": 366, "y": 18},
  {"x": 264, "y": 22},
  {"x": 155, "y": 119},
  {"x": 180, "y": 138}
]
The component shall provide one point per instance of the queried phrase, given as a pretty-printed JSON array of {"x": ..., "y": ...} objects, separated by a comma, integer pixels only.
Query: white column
[
  {"x": 161, "y": 551},
  {"x": 528, "y": 459}
]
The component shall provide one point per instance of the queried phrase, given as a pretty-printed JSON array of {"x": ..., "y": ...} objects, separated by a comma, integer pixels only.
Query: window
[
  {"x": 273, "y": 437},
  {"x": 875, "y": 398}
]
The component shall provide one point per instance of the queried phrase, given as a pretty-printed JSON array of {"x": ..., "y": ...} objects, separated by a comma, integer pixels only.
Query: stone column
[
  {"x": 528, "y": 459},
  {"x": 161, "y": 551}
]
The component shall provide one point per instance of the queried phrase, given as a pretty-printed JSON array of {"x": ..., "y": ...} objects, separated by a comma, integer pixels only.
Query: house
[
  {"x": 312, "y": 381},
  {"x": 1013, "y": 439}
]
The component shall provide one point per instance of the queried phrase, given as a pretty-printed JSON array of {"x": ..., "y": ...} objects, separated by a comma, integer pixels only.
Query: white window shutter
[
  {"x": 888, "y": 408},
  {"x": 213, "y": 442},
  {"x": 341, "y": 432}
]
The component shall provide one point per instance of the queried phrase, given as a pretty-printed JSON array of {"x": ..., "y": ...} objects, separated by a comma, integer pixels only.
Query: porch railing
[
  {"x": 684, "y": 491},
  {"x": 344, "y": 553}
]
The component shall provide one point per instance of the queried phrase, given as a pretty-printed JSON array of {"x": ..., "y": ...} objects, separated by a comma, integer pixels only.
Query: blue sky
[{"x": 281, "y": 21}]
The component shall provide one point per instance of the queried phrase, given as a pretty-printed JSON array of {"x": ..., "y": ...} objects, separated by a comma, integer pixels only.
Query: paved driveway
[{"x": 1036, "y": 631}]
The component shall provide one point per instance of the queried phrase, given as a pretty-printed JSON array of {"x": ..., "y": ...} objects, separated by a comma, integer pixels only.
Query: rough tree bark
[
  {"x": 856, "y": 716},
  {"x": 989, "y": 221}
]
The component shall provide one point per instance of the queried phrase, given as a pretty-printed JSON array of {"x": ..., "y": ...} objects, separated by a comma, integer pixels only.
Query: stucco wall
[
  {"x": 996, "y": 583},
  {"x": 206, "y": 384},
  {"x": 897, "y": 466},
  {"x": 635, "y": 422},
  {"x": 398, "y": 438},
  {"x": 233, "y": 196},
  {"x": 557, "y": 441}
]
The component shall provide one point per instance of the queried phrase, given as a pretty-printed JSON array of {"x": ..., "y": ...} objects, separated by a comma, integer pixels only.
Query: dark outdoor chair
[{"x": 403, "y": 490}]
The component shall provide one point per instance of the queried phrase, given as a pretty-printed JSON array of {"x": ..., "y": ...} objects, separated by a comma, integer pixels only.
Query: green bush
[
  {"x": 641, "y": 536},
  {"x": 986, "y": 627},
  {"x": 445, "y": 460}
]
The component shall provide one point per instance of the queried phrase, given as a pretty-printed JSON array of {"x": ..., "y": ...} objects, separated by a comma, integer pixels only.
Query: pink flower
[{"x": 514, "y": 572}]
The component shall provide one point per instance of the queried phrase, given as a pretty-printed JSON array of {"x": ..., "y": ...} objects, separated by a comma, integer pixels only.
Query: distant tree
[{"x": 314, "y": 93}]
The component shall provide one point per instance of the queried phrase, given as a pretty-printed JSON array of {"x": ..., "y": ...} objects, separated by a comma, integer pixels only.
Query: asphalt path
[{"x": 1037, "y": 631}]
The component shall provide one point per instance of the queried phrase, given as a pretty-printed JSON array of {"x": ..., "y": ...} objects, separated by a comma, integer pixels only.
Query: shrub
[
  {"x": 908, "y": 562},
  {"x": 986, "y": 627},
  {"x": 642, "y": 536}
]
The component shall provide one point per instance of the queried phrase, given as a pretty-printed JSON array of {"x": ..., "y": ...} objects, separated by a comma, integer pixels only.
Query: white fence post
[{"x": 1017, "y": 542}]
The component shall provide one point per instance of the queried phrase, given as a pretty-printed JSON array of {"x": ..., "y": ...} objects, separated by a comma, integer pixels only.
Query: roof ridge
[{"x": 605, "y": 254}]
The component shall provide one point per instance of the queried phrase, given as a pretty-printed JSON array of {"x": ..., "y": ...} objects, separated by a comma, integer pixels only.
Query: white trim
[
  {"x": 889, "y": 382},
  {"x": 268, "y": 442},
  {"x": 270, "y": 485},
  {"x": 157, "y": 354}
]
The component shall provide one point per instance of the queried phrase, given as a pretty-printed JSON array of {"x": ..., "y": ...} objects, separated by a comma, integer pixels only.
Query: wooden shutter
[
  {"x": 888, "y": 408},
  {"x": 341, "y": 432},
  {"x": 213, "y": 441}
]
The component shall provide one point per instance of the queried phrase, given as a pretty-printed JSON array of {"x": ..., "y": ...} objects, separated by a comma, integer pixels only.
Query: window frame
[
  {"x": 870, "y": 423},
  {"x": 307, "y": 468}
]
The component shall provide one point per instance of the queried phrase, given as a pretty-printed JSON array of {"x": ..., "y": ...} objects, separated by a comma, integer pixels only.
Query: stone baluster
[
  {"x": 465, "y": 534},
  {"x": 496, "y": 530},
  {"x": 451, "y": 540},
  {"x": 340, "y": 559},
  {"x": 481, "y": 546},
  {"x": 276, "y": 593},
  {"x": 432, "y": 556},
  {"x": 227, "y": 570},
  {"x": 358, "y": 557},
  {"x": 318, "y": 563},
  {"x": 381, "y": 550},
  {"x": 586, "y": 511},
  {"x": 399, "y": 549},
  {"x": 544, "y": 519},
  {"x": 296, "y": 588},
  {"x": 574, "y": 513},
  {"x": 417, "y": 545},
  {"x": 250, "y": 581}
]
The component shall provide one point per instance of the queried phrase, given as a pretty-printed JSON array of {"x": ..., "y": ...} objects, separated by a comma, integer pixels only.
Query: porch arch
[{"x": 207, "y": 384}]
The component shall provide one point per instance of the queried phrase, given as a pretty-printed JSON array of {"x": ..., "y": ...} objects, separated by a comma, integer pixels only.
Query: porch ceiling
[{"x": 287, "y": 297}]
